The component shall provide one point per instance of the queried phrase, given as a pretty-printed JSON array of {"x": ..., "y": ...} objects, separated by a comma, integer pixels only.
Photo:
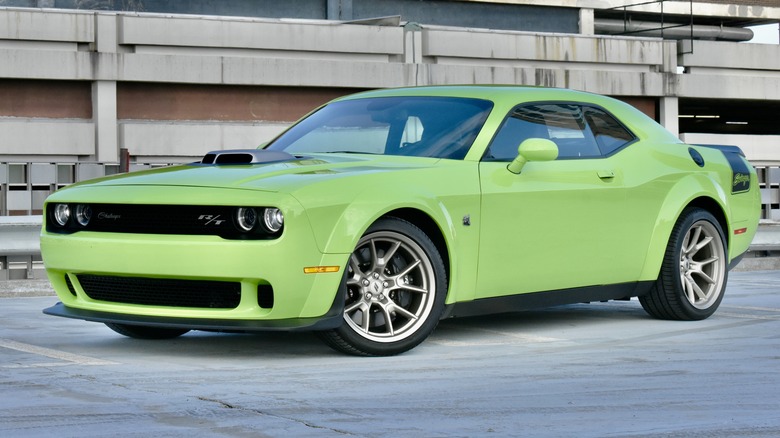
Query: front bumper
[
  {"x": 251, "y": 267},
  {"x": 248, "y": 264}
]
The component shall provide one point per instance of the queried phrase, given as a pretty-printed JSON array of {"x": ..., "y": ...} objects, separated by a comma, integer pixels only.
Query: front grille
[
  {"x": 161, "y": 219},
  {"x": 162, "y": 292}
]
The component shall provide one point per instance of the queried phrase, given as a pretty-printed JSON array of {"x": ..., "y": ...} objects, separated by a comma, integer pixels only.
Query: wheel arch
[
  {"x": 678, "y": 200},
  {"x": 392, "y": 306},
  {"x": 692, "y": 189},
  {"x": 715, "y": 209},
  {"x": 429, "y": 226}
]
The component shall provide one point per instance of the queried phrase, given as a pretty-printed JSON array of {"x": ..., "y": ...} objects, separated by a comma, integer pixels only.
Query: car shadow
[{"x": 238, "y": 347}]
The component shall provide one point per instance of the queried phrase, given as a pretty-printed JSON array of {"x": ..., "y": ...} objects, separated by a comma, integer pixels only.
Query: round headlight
[
  {"x": 83, "y": 214},
  {"x": 273, "y": 219},
  {"x": 61, "y": 214},
  {"x": 246, "y": 218}
]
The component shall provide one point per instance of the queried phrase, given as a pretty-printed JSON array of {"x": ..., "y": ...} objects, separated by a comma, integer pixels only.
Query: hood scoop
[{"x": 246, "y": 156}]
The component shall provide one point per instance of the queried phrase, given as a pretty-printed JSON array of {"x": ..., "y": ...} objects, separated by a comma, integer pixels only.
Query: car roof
[
  {"x": 494, "y": 93},
  {"x": 506, "y": 97}
]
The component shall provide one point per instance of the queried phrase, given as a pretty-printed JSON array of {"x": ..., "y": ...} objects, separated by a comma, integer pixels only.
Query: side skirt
[{"x": 536, "y": 300}]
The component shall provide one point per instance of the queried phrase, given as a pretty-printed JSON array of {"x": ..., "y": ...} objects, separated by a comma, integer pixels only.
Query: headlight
[
  {"x": 273, "y": 219},
  {"x": 83, "y": 214},
  {"x": 246, "y": 219},
  {"x": 61, "y": 214}
]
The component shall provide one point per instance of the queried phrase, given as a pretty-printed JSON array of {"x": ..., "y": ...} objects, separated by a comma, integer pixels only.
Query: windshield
[{"x": 439, "y": 127}]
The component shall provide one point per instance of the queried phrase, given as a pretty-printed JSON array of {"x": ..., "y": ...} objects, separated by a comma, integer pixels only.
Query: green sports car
[{"x": 380, "y": 213}]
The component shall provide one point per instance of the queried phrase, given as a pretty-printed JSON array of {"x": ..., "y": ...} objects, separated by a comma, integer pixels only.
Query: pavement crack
[
  {"x": 220, "y": 402},
  {"x": 310, "y": 425}
]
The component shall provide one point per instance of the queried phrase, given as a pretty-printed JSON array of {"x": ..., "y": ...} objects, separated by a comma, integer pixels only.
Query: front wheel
[
  {"x": 694, "y": 271},
  {"x": 145, "y": 332},
  {"x": 395, "y": 284}
]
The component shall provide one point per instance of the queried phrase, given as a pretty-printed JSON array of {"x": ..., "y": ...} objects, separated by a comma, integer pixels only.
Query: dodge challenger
[{"x": 381, "y": 213}]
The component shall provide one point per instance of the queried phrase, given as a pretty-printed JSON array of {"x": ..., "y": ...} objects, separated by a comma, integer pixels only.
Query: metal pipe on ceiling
[{"x": 671, "y": 31}]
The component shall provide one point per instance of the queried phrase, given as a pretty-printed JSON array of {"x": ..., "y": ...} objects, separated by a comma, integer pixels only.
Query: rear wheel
[
  {"x": 395, "y": 284},
  {"x": 145, "y": 332},
  {"x": 694, "y": 271}
]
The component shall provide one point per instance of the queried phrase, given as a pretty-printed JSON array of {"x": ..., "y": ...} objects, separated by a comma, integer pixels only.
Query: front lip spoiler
[{"x": 325, "y": 322}]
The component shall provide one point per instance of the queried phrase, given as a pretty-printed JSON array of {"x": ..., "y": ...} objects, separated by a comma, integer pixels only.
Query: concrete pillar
[
  {"x": 587, "y": 22},
  {"x": 104, "y": 112},
  {"x": 105, "y": 118},
  {"x": 669, "y": 113},
  {"x": 412, "y": 43},
  {"x": 670, "y": 52},
  {"x": 105, "y": 32}
]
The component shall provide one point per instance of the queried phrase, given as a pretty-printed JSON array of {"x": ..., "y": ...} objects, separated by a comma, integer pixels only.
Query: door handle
[{"x": 606, "y": 174}]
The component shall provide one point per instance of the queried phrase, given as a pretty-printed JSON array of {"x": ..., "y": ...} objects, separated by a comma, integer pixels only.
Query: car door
[{"x": 557, "y": 224}]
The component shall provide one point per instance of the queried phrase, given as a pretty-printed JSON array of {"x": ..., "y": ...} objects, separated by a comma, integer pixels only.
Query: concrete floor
[{"x": 589, "y": 370}]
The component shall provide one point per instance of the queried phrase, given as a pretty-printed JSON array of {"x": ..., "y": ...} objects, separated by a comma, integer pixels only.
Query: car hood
[{"x": 275, "y": 177}]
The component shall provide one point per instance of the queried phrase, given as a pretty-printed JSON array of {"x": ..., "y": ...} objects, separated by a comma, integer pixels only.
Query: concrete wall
[
  {"x": 108, "y": 50},
  {"x": 729, "y": 70},
  {"x": 738, "y": 73},
  {"x": 79, "y": 85},
  {"x": 111, "y": 49}
]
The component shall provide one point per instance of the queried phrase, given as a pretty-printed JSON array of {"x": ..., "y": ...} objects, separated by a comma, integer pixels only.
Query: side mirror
[{"x": 533, "y": 149}]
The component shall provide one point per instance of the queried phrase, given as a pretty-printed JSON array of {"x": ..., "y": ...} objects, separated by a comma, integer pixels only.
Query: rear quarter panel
[{"x": 686, "y": 184}]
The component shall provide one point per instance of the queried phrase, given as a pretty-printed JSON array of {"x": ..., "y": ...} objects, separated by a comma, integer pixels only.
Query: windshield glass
[{"x": 439, "y": 127}]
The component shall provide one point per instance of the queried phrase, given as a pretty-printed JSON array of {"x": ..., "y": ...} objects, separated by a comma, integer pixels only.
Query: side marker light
[{"x": 320, "y": 269}]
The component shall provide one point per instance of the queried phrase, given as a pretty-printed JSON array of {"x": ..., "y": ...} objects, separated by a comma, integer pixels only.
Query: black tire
[
  {"x": 145, "y": 332},
  {"x": 402, "y": 295},
  {"x": 694, "y": 272}
]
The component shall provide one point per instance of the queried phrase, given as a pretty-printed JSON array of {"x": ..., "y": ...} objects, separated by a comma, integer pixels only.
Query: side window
[
  {"x": 569, "y": 131},
  {"x": 609, "y": 134},
  {"x": 564, "y": 124},
  {"x": 518, "y": 127}
]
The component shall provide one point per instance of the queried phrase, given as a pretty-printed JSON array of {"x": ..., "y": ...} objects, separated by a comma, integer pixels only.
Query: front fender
[
  {"x": 444, "y": 194},
  {"x": 687, "y": 190},
  {"x": 365, "y": 210}
]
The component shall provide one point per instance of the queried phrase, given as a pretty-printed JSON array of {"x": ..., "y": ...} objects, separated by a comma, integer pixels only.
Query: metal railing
[
  {"x": 663, "y": 25},
  {"x": 769, "y": 181},
  {"x": 20, "y": 249}
]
